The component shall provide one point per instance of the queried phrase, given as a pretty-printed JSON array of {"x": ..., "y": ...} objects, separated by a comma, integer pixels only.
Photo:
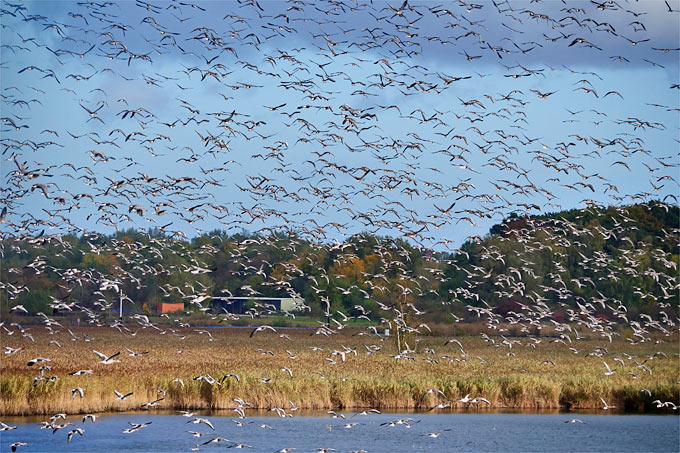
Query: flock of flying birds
[
  {"x": 328, "y": 119},
  {"x": 325, "y": 119}
]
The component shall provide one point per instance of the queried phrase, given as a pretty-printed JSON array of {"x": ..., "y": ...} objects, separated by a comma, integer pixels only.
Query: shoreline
[
  {"x": 396, "y": 410},
  {"x": 331, "y": 395}
]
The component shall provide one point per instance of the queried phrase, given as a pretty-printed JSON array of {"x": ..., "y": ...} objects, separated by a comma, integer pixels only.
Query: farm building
[{"x": 239, "y": 305}]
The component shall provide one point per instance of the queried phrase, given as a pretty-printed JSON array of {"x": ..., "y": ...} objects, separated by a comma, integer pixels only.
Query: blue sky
[{"x": 400, "y": 114}]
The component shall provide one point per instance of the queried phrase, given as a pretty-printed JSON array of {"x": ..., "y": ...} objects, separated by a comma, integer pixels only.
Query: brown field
[{"x": 376, "y": 380}]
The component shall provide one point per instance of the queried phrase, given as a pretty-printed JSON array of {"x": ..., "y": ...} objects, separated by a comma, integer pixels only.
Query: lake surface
[{"x": 458, "y": 432}]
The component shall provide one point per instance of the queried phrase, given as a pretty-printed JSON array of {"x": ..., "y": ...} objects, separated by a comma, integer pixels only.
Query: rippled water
[{"x": 458, "y": 432}]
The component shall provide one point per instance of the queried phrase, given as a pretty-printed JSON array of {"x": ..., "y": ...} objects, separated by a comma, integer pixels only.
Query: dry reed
[{"x": 517, "y": 377}]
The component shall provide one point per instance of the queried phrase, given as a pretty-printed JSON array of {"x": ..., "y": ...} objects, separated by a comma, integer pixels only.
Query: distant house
[
  {"x": 237, "y": 305},
  {"x": 165, "y": 307}
]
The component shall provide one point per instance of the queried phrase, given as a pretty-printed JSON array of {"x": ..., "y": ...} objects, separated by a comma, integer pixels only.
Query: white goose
[{"x": 107, "y": 360}]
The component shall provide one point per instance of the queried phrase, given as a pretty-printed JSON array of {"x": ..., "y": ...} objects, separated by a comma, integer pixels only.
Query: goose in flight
[
  {"x": 205, "y": 421},
  {"x": 152, "y": 403},
  {"x": 19, "y": 308},
  {"x": 260, "y": 329},
  {"x": 56, "y": 428},
  {"x": 120, "y": 396},
  {"x": 132, "y": 353},
  {"x": 6, "y": 427},
  {"x": 38, "y": 360},
  {"x": 480, "y": 400},
  {"x": 215, "y": 440},
  {"x": 370, "y": 411},
  {"x": 234, "y": 375},
  {"x": 207, "y": 378},
  {"x": 443, "y": 405},
  {"x": 135, "y": 427},
  {"x": 16, "y": 445},
  {"x": 241, "y": 402},
  {"x": 465, "y": 399},
  {"x": 77, "y": 391},
  {"x": 430, "y": 391},
  {"x": 56, "y": 417},
  {"x": 106, "y": 360},
  {"x": 281, "y": 413},
  {"x": 74, "y": 431},
  {"x": 342, "y": 354},
  {"x": 606, "y": 406}
]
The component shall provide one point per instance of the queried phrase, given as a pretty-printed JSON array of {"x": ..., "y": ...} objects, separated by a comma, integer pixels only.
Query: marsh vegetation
[{"x": 510, "y": 372}]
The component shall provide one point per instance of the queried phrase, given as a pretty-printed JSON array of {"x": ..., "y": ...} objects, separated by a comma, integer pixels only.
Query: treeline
[{"x": 622, "y": 261}]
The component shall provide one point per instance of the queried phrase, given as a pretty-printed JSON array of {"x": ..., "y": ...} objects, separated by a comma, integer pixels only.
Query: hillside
[{"x": 612, "y": 263}]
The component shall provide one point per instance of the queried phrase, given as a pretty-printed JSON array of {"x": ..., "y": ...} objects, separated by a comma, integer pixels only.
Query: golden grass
[{"x": 377, "y": 380}]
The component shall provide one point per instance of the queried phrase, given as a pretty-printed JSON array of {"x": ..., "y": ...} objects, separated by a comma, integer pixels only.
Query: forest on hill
[{"x": 615, "y": 262}]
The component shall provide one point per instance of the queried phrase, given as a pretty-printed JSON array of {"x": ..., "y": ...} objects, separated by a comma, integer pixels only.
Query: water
[{"x": 459, "y": 432}]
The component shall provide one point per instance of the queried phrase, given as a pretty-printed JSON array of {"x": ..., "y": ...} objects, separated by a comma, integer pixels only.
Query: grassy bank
[{"x": 520, "y": 376}]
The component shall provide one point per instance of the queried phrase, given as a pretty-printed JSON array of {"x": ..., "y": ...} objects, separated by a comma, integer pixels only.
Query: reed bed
[{"x": 519, "y": 377}]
